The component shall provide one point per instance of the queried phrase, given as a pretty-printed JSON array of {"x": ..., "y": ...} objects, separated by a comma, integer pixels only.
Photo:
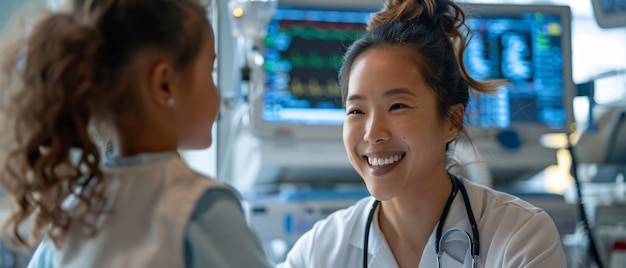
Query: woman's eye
[
  {"x": 397, "y": 106},
  {"x": 354, "y": 111}
]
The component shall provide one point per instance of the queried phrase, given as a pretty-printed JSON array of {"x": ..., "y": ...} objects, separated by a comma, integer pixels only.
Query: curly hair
[{"x": 62, "y": 77}]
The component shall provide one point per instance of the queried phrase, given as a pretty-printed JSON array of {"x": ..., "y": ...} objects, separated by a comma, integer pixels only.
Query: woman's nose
[{"x": 376, "y": 130}]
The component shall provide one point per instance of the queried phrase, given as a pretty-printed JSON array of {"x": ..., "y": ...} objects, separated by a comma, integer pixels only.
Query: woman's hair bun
[{"x": 438, "y": 12}]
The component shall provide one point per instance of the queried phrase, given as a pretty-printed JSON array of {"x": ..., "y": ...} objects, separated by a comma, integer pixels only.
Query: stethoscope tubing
[{"x": 457, "y": 185}]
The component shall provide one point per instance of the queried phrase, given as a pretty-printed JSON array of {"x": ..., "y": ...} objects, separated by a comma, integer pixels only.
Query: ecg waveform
[
  {"x": 313, "y": 60},
  {"x": 313, "y": 88},
  {"x": 322, "y": 30},
  {"x": 303, "y": 57},
  {"x": 323, "y": 25},
  {"x": 312, "y": 32}
]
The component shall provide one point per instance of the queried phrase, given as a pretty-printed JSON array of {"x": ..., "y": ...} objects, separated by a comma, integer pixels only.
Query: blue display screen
[
  {"x": 303, "y": 53},
  {"x": 526, "y": 50},
  {"x": 613, "y": 6}
]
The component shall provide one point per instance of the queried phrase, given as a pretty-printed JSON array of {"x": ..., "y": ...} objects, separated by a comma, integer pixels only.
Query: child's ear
[
  {"x": 455, "y": 121},
  {"x": 160, "y": 84}
]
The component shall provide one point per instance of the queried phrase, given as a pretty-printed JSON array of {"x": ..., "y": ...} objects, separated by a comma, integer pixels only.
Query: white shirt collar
[{"x": 379, "y": 251}]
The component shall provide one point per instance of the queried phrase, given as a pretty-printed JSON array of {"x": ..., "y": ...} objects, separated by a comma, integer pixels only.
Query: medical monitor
[
  {"x": 527, "y": 44},
  {"x": 303, "y": 52},
  {"x": 609, "y": 13},
  {"x": 530, "y": 47}
]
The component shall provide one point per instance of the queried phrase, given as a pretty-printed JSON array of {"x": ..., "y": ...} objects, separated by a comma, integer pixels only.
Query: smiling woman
[
  {"x": 405, "y": 88},
  {"x": 392, "y": 113}
]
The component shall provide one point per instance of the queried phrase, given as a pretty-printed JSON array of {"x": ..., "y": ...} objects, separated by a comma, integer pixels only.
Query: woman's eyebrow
[
  {"x": 388, "y": 94},
  {"x": 398, "y": 91}
]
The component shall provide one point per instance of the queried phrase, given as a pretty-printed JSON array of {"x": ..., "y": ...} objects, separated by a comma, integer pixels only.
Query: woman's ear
[
  {"x": 160, "y": 84},
  {"x": 455, "y": 121}
]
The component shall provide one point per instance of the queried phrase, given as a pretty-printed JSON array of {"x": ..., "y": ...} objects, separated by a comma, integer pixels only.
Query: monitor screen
[
  {"x": 609, "y": 13},
  {"x": 529, "y": 46},
  {"x": 303, "y": 51}
]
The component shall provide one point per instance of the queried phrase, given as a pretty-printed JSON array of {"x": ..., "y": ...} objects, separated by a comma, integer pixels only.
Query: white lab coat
[{"x": 513, "y": 233}]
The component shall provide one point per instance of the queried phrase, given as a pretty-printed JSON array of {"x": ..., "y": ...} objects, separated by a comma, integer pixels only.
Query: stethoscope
[{"x": 439, "y": 238}]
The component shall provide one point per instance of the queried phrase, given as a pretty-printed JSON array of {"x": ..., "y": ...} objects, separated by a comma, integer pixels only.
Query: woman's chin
[{"x": 381, "y": 193}]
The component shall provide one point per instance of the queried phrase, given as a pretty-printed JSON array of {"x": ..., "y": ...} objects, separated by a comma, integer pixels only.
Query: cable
[
  {"x": 368, "y": 224},
  {"x": 615, "y": 72},
  {"x": 583, "y": 215}
]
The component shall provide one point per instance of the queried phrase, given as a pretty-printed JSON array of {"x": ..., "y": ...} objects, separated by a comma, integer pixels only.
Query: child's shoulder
[
  {"x": 180, "y": 173},
  {"x": 213, "y": 189},
  {"x": 216, "y": 194}
]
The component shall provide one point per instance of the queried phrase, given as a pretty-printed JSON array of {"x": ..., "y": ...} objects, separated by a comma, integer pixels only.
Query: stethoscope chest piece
[{"x": 456, "y": 243}]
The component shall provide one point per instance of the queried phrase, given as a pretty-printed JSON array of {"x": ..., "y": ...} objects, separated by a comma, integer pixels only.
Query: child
[{"x": 142, "y": 70}]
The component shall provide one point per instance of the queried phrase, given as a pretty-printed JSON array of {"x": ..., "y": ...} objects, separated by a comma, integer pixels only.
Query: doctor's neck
[
  {"x": 422, "y": 200},
  {"x": 408, "y": 219}
]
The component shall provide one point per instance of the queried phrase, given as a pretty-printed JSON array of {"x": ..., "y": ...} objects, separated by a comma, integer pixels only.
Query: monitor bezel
[{"x": 607, "y": 20}]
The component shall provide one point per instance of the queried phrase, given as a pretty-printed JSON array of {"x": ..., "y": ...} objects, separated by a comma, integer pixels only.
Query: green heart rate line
[
  {"x": 312, "y": 32},
  {"x": 313, "y": 60},
  {"x": 323, "y": 25}
]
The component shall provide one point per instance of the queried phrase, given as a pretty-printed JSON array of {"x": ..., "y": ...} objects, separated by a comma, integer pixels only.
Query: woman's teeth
[{"x": 381, "y": 162}]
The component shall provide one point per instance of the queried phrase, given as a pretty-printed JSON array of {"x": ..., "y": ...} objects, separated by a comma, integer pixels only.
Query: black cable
[
  {"x": 368, "y": 223},
  {"x": 583, "y": 215}
]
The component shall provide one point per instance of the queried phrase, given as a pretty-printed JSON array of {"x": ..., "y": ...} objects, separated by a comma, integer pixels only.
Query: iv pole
[{"x": 240, "y": 25}]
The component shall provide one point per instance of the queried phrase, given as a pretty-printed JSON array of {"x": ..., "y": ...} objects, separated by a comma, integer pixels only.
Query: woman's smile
[{"x": 381, "y": 165}]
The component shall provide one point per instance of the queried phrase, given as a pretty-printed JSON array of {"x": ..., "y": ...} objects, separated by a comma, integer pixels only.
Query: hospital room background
[{"x": 556, "y": 136}]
